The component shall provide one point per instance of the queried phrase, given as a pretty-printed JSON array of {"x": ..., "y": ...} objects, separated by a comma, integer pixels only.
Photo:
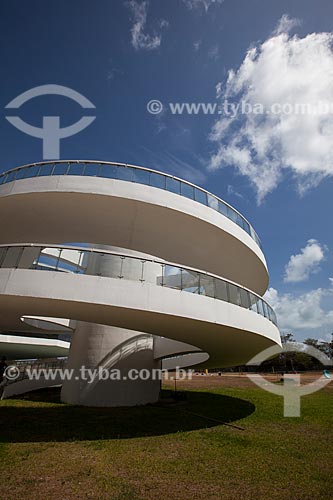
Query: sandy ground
[{"x": 233, "y": 380}]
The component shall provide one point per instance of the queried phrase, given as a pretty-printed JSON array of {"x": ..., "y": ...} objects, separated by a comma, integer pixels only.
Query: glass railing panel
[
  {"x": 246, "y": 227},
  {"x": 141, "y": 176},
  {"x": 72, "y": 256},
  {"x": 212, "y": 202},
  {"x": 260, "y": 306},
  {"x": 3, "y": 251},
  {"x": 244, "y": 298},
  {"x": 125, "y": 174},
  {"x": 200, "y": 196},
  {"x": 10, "y": 177},
  {"x": 92, "y": 170},
  {"x": 28, "y": 256},
  {"x": 104, "y": 265},
  {"x": 21, "y": 173},
  {"x": 232, "y": 214},
  {"x": 45, "y": 170},
  {"x": 253, "y": 302},
  {"x": 187, "y": 190},
  {"x": 60, "y": 169},
  {"x": 157, "y": 180},
  {"x": 173, "y": 185},
  {"x": 132, "y": 269},
  {"x": 76, "y": 169},
  {"x": 190, "y": 281},
  {"x": 239, "y": 221},
  {"x": 108, "y": 171},
  {"x": 266, "y": 313},
  {"x": 12, "y": 257},
  {"x": 221, "y": 290},
  {"x": 207, "y": 285},
  {"x": 32, "y": 171},
  {"x": 223, "y": 208},
  {"x": 153, "y": 272},
  {"x": 273, "y": 316},
  {"x": 270, "y": 313},
  {"x": 172, "y": 277},
  {"x": 48, "y": 262},
  {"x": 234, "y": 294}
]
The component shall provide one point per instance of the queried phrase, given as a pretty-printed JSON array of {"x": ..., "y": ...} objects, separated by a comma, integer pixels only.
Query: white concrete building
[{"x": 162, "y": 274}]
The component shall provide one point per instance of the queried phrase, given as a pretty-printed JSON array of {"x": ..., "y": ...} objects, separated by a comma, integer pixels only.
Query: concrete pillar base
[{"x": 114, "y": 358}]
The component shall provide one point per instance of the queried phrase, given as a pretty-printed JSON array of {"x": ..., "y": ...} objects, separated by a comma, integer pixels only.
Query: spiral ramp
[{"x": 162, "y": 274}]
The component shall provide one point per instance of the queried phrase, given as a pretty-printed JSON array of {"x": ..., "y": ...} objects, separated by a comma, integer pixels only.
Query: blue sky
[{"x": 120, "y": 55}]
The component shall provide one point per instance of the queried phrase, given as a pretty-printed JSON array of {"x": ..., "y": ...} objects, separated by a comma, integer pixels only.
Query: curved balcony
[
  {"x": 228, "y": 322},
  {"x": 68, "y": 259},
  {"x": 54, "y": 203},
  {"x": 131, "y": 173}
]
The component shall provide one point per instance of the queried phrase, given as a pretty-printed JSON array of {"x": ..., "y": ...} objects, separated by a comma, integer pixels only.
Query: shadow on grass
[{"x": 33, "y": 423}]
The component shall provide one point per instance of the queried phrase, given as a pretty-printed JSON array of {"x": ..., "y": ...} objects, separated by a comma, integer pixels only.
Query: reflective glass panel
[
  {"x": 132, "y": 269},
  {"x": 200, "y": 196},
  {"x": 141, "y": 176},
  {"x": 190, "y": 281},
  {"x": 212, "y": 201},
  {"x": 173, "y": 185},
  {"x": 91, "y": 169},
  {"x": 60, "y": 169},
  {"x": 207, "y": 285},
  {"x": 223, "y": 208},
  {"x": 76, "y": 169},
  {"x": 221, "y": 290},
  {"x": 108, "y": 171},
  {"x": 234, "y": 294},
  {"x": 157, "y": 180},
  {"x": 172, "y": 277},
  {"x": 125, "y": 173},
  {"x": 245, "y": 300},
  {"x": 187, "y": 190}
]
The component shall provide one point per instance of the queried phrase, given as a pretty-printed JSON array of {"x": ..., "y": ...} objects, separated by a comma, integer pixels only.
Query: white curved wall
[
  {"x": 141, "y": 218},
  {"x": 230, "y": 334}
]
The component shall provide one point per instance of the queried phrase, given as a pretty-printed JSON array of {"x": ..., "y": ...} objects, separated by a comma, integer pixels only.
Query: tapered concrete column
[{"x": 108, "y": 351}]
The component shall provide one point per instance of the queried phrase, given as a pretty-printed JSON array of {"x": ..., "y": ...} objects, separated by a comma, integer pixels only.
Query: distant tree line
[{"x": 290, "y": 361}]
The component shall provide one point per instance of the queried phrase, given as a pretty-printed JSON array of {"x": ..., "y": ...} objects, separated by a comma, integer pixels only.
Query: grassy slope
[{"x": 52, "y": 451}]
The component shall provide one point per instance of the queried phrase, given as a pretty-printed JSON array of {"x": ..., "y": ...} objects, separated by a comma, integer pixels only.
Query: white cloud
[
  {"x": 302, "y": 313},
  {"x": 302, "y": 265},
  {"x": 285, "y": 71},
  {"x": 286, "y": 24},
  {"x": 168, "y": 162},
  {"x": 141, "y": 40},
  {"x": 331, "y": 281},
  {"x": 233, "y": 192},
  {"x": 197, "y": 4}
]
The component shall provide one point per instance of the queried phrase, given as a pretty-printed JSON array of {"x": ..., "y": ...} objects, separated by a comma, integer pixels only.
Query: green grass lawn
[{"x": 221, "y": 443}]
